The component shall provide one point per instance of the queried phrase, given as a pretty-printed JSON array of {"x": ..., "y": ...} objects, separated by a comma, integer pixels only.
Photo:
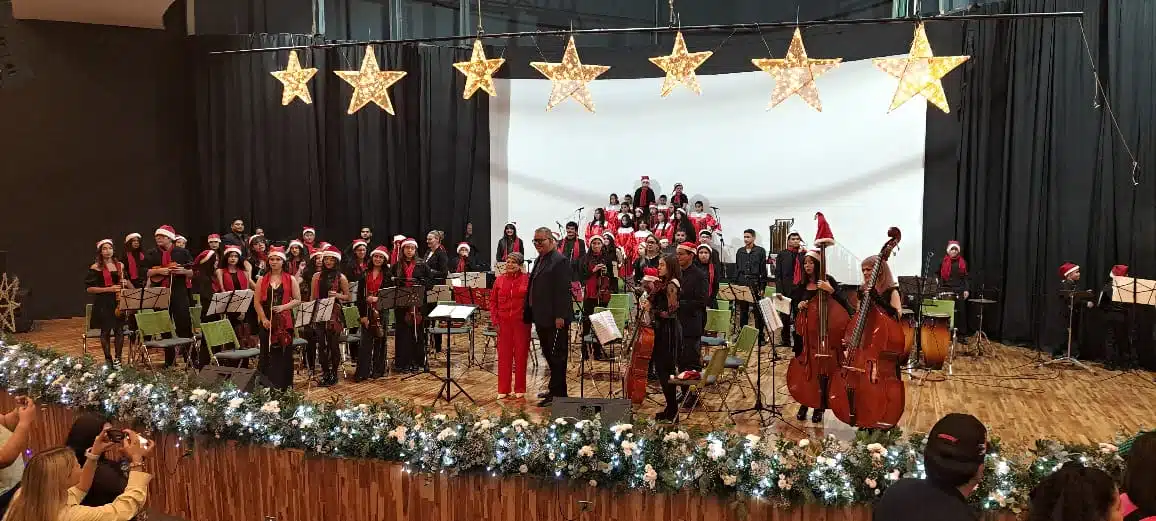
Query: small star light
[
  {"x": 796, "y": 73},
  {"x": 295, "y": 81},
  {"x": 370, "y": 83},
  {"x": 919, "y": 73},
  {"x": 570, "y": 78},
  {"x": 680, "y": 65},
  {"x": 479, "y": 71}
]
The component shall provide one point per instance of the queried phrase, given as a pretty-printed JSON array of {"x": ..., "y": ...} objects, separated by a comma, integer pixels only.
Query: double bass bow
[
  {"x": 822, "y": 323},
  {"x": 867, "y": 391}
]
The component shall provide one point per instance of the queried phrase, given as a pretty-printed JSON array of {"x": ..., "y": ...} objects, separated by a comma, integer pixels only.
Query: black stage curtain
[
  {"x": 1028, "y": 171},
  {"x": 280, "y": 168}
]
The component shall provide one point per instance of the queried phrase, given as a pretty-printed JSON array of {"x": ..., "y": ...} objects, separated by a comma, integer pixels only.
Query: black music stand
[
  {"x": 606, "y": 333},
  {"x": 1072, "y": 296},
  {"x": 309, "y": 313},
  {"x": 449, "y": 313},
  {"x": 156, "y": 297},
  {"x": 766, "y": 413},
  {"x": 237, "y": 301},
  {"x": 411, "y": 297}
]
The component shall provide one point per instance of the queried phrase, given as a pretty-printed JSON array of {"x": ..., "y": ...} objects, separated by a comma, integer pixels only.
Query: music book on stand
[
  {"x": 736, "y": 292},
  {"x": 769, "y": 308},
  {"x": 237, "y": 301},
  {"x": 605, "y": 327},
  {"x": 1129, "y": 290},
  {"x": 400, "y": 297},
  {"x": 315, "y": 311},
  {"x": 144, "y": 298},
  {"x": 453, "y": 312}
]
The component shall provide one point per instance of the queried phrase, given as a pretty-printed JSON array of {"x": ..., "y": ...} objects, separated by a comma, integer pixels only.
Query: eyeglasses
[{"x": 541, "y": 241}]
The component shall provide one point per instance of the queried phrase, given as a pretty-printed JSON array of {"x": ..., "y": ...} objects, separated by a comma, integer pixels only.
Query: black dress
[
  {"x": 276, "y": 361},
  {"x": 409, "y": 349},
  {"x": 668, "y": 337},
  {"x": 103, "y": 304},
  {"x": 437, "y": 263},
  {"x": 802, "y": 294}
]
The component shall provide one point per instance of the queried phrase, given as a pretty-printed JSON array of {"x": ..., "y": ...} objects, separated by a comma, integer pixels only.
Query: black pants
[
  {"x": 328, "y": 351},
  {"x": 744, "y": 309},
  {"x": 310, "y": 354},
  {"x": 788, "y": 337},
  {"x": 370, "y": 356},
  {"x": 179, "y": 310},
  {"x": 110, "y": 336},
  {"x": 588, "y": 306},
  {"x": 665, "y": 361},
  {"x": 556, "y": 352}
]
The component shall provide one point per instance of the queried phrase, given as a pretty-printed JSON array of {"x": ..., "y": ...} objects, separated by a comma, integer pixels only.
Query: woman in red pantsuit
[{"x": 506, "y": 306}]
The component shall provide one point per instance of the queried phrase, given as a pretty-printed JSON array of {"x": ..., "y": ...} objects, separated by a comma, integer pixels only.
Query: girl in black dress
[
  {"x": 133, "y": 260},
  {"x": 662, "y": 305},
  {"x": 204, "y": 284},
  {"x": 104, "y": 281},
  {"x": 409, "y": 353},
  {"x": 297, "y": 259},
  {"x": 358, "y": 260},
  {"x": 808, "y": 287},
  {"x": 256, "y": 263},
  {"x": 277, "y": 294},
  {"x": 330, "y": 283},
  {"x": 234, "y": 276},
  {"x": 371, "y": 349},
  {"x": 509, "y": 243}
]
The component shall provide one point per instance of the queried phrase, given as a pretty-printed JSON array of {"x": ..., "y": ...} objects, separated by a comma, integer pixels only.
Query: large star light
[
  {"x": 569, "y": 78},
  {"x": 680, "y": 65},
  {"x": 295, "y": 80},
  {"x": 796, "y": 73},
  {"x": 919, "y": 72},
  {"x": 370, "y": 83},
  {"x": 479, "y": 71}
]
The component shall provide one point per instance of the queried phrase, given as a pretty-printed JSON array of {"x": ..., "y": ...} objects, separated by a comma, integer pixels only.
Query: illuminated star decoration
[
  {"x": 296, "y": 81},
  {"x": 796, "y": 73},
  {"x": 570, "y": 78},
  {"x": 680, "y": 65},
  {"x": 479, "y": 71},
  {"x": 9, "y": 288},
  {"x": 919, "y": 72},
  {"x": 370, "y": 83}
]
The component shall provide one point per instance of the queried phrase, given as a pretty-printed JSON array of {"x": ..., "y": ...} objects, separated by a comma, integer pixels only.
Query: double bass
[
  {"x": 822, "y": 324},
  {"x": 867, "y": 391},
  {"x": 642, "y": 348}
]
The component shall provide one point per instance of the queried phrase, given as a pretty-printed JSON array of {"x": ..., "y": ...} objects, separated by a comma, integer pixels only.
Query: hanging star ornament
[
  {"x": 570, "y": 78},
  {"x": 680, "y": 65},
  {"x": 479, "y": 71},
  {"x": 295, "y": 81},
  {"x": 370, "y": 84},
  {"x": 796, "y": 73},
  {"x": 920, "y": 72}
]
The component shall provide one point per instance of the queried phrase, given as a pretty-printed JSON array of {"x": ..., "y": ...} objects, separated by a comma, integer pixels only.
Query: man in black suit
[
  {"x": 692, "y": 305},
  {"x": 548, "y": 307}
]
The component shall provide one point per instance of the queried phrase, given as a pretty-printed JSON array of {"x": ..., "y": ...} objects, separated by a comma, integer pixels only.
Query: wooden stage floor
[{"x": 1019, "y": 401}]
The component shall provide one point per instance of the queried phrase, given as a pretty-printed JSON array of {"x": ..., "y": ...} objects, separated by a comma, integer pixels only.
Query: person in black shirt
[
  {"x": 713, "y": 271},
  {"x": 549, "y": 308},
  {"x": 788, "y": 274},
  {"x": 437, "y": 261},
  {"x": 204, "y": 278},
  {"x": 953, "y": 460},
  {"x": 691, "y": 311},
  {"x": 953, "y": 278},
  {"x": 237, "y": 236},
  {"x": 1070, "y": 314},
  {"x": 171, "y": 272},
  {"x": 751, "y": 271},
  {"x": 573, "y": 247},
  {"x": 509, "y": 243}
]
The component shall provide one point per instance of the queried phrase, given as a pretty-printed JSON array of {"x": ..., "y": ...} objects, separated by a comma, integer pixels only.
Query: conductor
[{"x": 548, "y": 307}]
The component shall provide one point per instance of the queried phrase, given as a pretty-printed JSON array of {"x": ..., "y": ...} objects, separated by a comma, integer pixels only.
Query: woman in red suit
[{"x": 506, "y": 306}]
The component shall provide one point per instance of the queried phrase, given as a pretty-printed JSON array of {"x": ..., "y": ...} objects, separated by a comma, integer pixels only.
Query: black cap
[{"x": 956, "y": 447}]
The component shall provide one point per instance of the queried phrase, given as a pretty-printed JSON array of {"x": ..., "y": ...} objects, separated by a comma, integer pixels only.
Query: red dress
[
  {"x": 703, "y": 221},
  {"x": 624, "y": 239},
  {"x": 664, "y": 230}
]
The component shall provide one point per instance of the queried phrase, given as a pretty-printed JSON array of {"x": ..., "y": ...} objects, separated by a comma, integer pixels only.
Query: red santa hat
[
  {"x": 1067, "y": 268},
  {"x": 254, "y": 238},
  {"x": 953, "y": 244},
  {"x": 823, "y": 236},
  {"x": 511, "y": 223},
  {"x": 814, "y": 254},
  {"x": 180, "y": 238},
  {"x": 690, "y": 247},
  {"x": 463, "y": 246},
  {"x": 232, "y": 248},
  {"x": 359, "y": 242},
  {"x": 332, "y": 251},
  {"x": 308, "y": 229},
  {"x": 645, "y": 179},
  {"x": 409, "y": 241},
  {"x": 707, "y": 246},
  {"x": 597, "y": 238},
  {"x": 296, "y": 243},
  {"x": 131, "y": 236},
  {"x": 650, "y": 274},
  {"x": 380, "y": 250},
  {"x": 316, "y": 252},
  {"x": 608, "y": 235},
  {"x": 398, "y": 238},
  {"x": 102, "y": 242},
  {"x": 167, "y": 231},
  {"x": 277, "y": 251},
  {"x": 214, "y": 237},
  {"x": 1120, "y": 270},
  {"x": 705, "y": 233},
  {"x": 204, "y": 257}
]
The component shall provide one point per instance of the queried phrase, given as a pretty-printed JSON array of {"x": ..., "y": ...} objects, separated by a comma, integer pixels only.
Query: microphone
[
  {"x": 714, "y": 208},
  {"x": 580, "y": 209},
  {"x": 558, "y": 223}
]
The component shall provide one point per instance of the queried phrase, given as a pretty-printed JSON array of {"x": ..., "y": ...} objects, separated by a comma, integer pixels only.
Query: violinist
[
  {"x": 234, "y": 276},
  {"x": 663, "y": 305},
  {"x": 330, "y": 283},
  {"x": 953, "y": 278},
  {"x": 277, "y": 294},
  {"x": 371, "y": 356},
  {"x": 297, "y": 258},
  {"x": 105, "y": 279},
  {"x": 133, "y": 260},
  {"x": 256, "y": 262},
  {"x": 204, "y": 284},
  {"x": 169, "y": 269},
  {"x": 596, "y": 272},
  {"x": 409, "y": 353},
  {"x": 885, "y": 294},
  {"x": 807, "y": 288},
  {"x": 648, "y": 257},
  {"x": 713, "y": 269}
]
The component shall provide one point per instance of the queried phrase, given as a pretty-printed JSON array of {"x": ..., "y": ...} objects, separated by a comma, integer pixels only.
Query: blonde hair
[{"x": 44, "y": 488}]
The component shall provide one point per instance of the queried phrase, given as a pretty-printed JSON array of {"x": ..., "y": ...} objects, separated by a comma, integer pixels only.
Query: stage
[{"x": 1004, "y": 388}]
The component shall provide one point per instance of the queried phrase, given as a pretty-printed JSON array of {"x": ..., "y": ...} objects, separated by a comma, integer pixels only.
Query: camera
[{"x": 115, "y": 435}]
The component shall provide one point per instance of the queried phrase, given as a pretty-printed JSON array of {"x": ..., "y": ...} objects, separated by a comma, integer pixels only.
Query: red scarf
[
  {"x": 798, "y": 278},
  {"x": 642, "y": 196},
  {"x": 462, "y": 264},
  {"x": 573, "y": 252},
  {"x": 945, "y": 267},
  {"x": 710, "y": 276},
  {"x": 281, "y": 335},
  {"x": 373, "y": 280},
  {"x": 133, "y": 259},
  {"x": 506, "y": 241},
  {"x": 408, "y": 269},
  {"x": 395, "y": 254},
  {"x": 227, "y": 279},
  {"x": 108, "y": 282}
]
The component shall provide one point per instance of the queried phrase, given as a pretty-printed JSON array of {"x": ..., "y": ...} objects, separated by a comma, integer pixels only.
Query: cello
[
  {"x": 809, "y": 374},
  {"x": 642, "y": 348},
  {"x": 867, "y": 391}
]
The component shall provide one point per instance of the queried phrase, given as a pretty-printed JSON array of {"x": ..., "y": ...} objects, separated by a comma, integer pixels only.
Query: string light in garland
[
  {"x": 370, "y": 84},
  {"x": 569, "y": 78},
  {"x": 295, "y": 81},
  {"x": 679, "y": 66},
  {"x": 919, "y": 72},
  {"x": 796, "y": 73}
]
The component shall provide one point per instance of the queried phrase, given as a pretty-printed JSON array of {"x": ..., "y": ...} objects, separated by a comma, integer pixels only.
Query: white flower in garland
[
  {"x": 620, "y": 428},
  {"x": 871, "y": 483},
  {"x": 483, "y": 425},
  {"x": 446, "y": 434},
  {"x": 234, "y": 404},
  {"x": 586, "y": 451},
  {"x": 271, "y": 407},
  {"x": 1108, "y": 448},
  {"x": 894, "y": 475},
  {"x": 628, "y": 448},
  {"x": 582, "y": 424},
  {"x": 729, "y": 480},
  {"x": 804, "y": 442},
  {"x": 439, "y": 417},
  {"x": 560, "y": 421},
  {"x": 213, "y": 397},
  {"x": 520, "y": 424},
  {"x": 592, "y": 483},
  {"x": 676, "y": 436},
  {"x": 198, "y": 394},
  {"x": 523, "y": 469},
  {"x": 715, "y": 450},
  {"x": 650, "y": 476},
  {"x": 784, "y": 483}
]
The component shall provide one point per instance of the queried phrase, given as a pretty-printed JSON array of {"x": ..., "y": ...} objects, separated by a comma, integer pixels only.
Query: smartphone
[{"x": 114, "y": 435}]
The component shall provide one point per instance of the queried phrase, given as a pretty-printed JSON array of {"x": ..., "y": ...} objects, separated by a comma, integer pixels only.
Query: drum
[
  {"x": 946, "y": 295},
  {"x": 936, "y": 339},
  {"x": 907, "y": 323}
]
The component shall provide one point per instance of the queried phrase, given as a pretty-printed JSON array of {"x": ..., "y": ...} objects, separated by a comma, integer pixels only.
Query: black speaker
[
  {"x": 247, "y": 380},
  {"x": 612, "y": 410}
]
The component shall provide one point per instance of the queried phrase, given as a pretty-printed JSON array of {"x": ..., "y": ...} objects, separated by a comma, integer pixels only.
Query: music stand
[
  {"x": 469, "y": 289},
  {"x": 450, "y": 312},
  {"x": 736, "y": 293},
  {"x": 237, "y": 301},
  {"x": 606, "y": 333},
  {"x": 411, "y": 297},
  {"x": 156, "y": 297},
  {"x": 765, "y": 307},
  {"x": 312, "y": 312},
  {"x": 1130, "y": 290},
  {"x": 1072, "y": 296}
]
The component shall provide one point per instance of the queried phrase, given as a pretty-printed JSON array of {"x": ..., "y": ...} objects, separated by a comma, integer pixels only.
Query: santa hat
[
  {"x": 204, "y": 257},
  {"x": 649, "y": 274},
  {"x": 690, "y": 247},
  {"x": 308, "y": 229},
  {"x": 953, "y": 244},
  {"x": 214, "y": 237},
  {"x": 511, "y": 224},
  {"x": 359, "y": 242},
  {"x": 409, "y": 242},
  {"x": 645, "y": 179},
  {"x": 131, "y": 236},
  {"x": 277, "y": 251},
  {"x": 814, "y": 254},
  {"x": 332, "y": 251},
  {"x": 705, "y": 233},
  {"x": 707, "y": 246},
  {"x": 1120, "y": 270},
  {"x": 254, "y": 238},
  {"x": 316, "y": 252},
  {"x": 398, "y": 238},
  {"x": 296, "y": 243},
  {"x": 463, "y": 246},
  {"x": 232, "y": 248},
  {"x": 380, "y": 250},
  {"x": 677, "y": 186},
  {"x": 180, "y": 238},
  {"x": 608, "y": 235},
  {"x": 597, "y": 238},
  {"x": 1067, "y": 268},
  {"x": 689, "y": 375},
  {"x": 102, "y": 242},
  {"x": 167, "y": 231},
  {"x": 823, "y": 236}
]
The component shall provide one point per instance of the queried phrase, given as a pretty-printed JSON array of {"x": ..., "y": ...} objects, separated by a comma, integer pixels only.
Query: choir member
[
  {"x": 204, "y": 284},
  {"x": 297, "y": 258},
  {"x": 181, "y": 242},
  {"x": 371, "y": 349},
  {"x": 624, "y": 238},
  {"x": 648, "y": 257},
  {"x": 751, "y": 271},
  {"x": 104, "y": 281},
  {"x": 597, "y": 225},
  {"x": 679, "y": 238},
  {"x": 627, "y": 201},
  {"x": 681, "y": 223},
  {"x": 572, "y": 247},
  {"x": 661, "y": 207},
  {"x": 663, "y": 229},
  {"x": 312, "y": 266},
  {"x": 705, "y": 260},
  {"x": 214, "y": 243},
  {"x": 509, "y": 243},
  {"x": 507, "y": 304},
  {"x": 409, "y": 353},
  {"x": 358, "y": 260},
  {"x": 330, "y": 282},
  {"x": 644, "y": 196},
  {"x": 789, "y": 273},
  {"x": 395, "y": 251},
  {"x": 706, "y": 237},
  {"x": 256, "y": 262},
  {"x": 616, "y": 252},
  {"x": 803, "y": 292},
  {"x": 596, "y": 274},
  {"x": 611, "y": 212},
  {"x": 234, "y": 275},
  {"x": 663, "y": 304},
  {"x": 277, "y": 294},
  {"x": 462, "y": 263},
  {"x": 170, "y": 270},
  {"x": 133, "y": 260},
  {"x": 953, "y": 277},
  {"x": 550, "y": 309},
  {"x": 701, "y": 219},
  {"x": 236, "y": 236},
  {"x": 678, "y": 199},
  {"x": 309, "y": 237}
]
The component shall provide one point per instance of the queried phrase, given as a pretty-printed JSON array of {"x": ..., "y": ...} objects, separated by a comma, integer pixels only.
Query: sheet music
[
  {"x": 1130, "y": 290},
  {"x": 144, "y": 298},
  {"x": 452, "y": 311},
  {"x": 231, "y": 302},
  {"x": 605, "y": 328},
  {"x": 782, "y": 303},
  {"x": 315, "y": 311},
  {"x": 770, "y": 314}
]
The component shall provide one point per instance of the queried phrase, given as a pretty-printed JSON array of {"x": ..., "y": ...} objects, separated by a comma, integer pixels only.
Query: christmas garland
[{"x": 643, "y": 457}]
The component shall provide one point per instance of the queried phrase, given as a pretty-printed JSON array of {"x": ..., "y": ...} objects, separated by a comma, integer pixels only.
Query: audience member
[
  {"x": 1076, "y": 493},
  {"x": 953, "y": 460},
  {"x": 14, "y": 430},
  {"x": 1138, "y": 503},
  {"x": 111, "y": 477}
]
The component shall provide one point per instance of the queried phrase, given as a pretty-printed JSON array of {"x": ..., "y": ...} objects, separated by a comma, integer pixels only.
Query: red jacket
[{"x": 508, "y": 297}]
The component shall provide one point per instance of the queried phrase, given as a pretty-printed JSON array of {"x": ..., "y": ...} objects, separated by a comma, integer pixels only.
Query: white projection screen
[{"x": 859, "y": 165}]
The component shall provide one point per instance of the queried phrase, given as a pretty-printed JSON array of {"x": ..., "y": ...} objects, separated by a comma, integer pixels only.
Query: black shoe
[
  {"x": 546, "y": 402},
  {"x": 817, "y": 416},
  {"x": 802, "y": 414},
  {"x": 544, "y": 394},
  {"x": 666, "y": 415}
]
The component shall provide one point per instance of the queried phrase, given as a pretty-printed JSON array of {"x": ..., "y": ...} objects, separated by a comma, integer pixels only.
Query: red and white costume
[
  {"x": 624, "y": 239},
  {"x": 703, "y": 221}
]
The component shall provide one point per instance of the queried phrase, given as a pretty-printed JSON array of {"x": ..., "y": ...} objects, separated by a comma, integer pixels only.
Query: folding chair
[
  {"x": 718, "y": 323},
  {"x": 219, "y": 333},
  {"x": 195, "y": 317},
  {"x": 152, "y": 325},
  {"x": 351, "y": 317},
  {"x": 721, "y": 304},
  {"x": 739, "y": 357},
  {"x": 619, "y": 301},
  {"x": 89, "y": 332},
  {"x": 707, "y": 384}
]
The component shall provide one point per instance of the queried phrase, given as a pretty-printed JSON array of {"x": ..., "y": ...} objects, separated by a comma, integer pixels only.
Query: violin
[
  {"x": 822, "y": 323},
  {"x": 867, "y": 391},
  {"x": 157, "y": 280}
]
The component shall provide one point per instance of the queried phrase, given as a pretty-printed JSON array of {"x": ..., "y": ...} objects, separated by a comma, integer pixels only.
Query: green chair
[
  {"x": 718, "y": 322},
  {"x": 89, "y": 332},
  {"x": 351, "y": 336},
  {"x": 705, "y": 384},
  {"x": 724, "y": 305},
  {"x": 153, "y": 325},
  {"x": 739, "y": 357},
  {"x": 619, "y": 300},
  {"x": 220, "y": 333},
  {"x": 195, "y": 317}
]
